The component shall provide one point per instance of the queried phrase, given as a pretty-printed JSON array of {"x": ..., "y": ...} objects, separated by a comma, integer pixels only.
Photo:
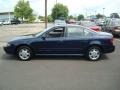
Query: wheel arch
[
  {"x": 23, "y": 45},
  {"x": 95, "y": 45}
]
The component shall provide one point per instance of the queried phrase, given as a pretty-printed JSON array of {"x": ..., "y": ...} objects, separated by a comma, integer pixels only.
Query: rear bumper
[{"x": 108, "y": 49}]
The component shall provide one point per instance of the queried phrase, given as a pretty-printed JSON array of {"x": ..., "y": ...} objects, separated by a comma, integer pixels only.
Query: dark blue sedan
[{"x": 62, "y": 40}]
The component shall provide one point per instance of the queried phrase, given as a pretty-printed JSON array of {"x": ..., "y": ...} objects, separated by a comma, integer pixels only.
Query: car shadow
[{"x": 67, "y": 58}]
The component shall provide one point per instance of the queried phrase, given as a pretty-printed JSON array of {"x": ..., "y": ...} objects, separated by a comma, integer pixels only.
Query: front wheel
[
  {"x": 24, "y": 53},
  {"x": 94, "y": 53}
]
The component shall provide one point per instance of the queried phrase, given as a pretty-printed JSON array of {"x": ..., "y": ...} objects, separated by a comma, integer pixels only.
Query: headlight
[{"x": 6, "y": 44}]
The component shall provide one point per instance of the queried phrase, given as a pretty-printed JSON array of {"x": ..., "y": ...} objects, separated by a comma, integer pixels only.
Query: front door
[{"x": 53, "y": 41}]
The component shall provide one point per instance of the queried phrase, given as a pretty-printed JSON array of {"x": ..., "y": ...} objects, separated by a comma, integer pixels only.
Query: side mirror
[{"x": 43, "y": 37}]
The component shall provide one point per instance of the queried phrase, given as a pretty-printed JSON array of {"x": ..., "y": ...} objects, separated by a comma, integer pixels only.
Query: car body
[
  {"x": 91, "y": 25},
  {"x": 71, "y": 21},
  {"x": 7, "y": 22},
  {"x": 62, "y": 40},
  {"x": 15, "y": 21},
  {"x": 1, "y": 22},
  {"x": 59, "y": 22},
  {"x": 112, "y": 26}
]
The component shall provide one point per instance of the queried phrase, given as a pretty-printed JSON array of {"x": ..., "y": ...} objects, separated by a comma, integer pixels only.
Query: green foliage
[
  {"x": 31, "y": 18},
  {"x": 70, "y": 17},
  {"x": 59, "y": 10},
  {"x": 50, "y": 19},
  {"x": 114, "y": 15},
  {"x": 23, "y": 10},
  {"x": 99, "y": 16},
  {"x": 80, "y": 17},
  {"x": 40, "y": 17}
]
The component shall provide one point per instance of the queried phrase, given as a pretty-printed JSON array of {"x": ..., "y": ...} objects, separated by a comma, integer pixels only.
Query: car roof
[
  {"x": 64, "y": 25},
  {"x": 71, "y": 25}
]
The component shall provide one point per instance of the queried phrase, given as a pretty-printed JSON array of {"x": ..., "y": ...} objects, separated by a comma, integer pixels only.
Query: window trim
[
  {"x": 44, "y": 34},
  {"x": 87, "y": 29},
  {"x": 74, "y": 27}
]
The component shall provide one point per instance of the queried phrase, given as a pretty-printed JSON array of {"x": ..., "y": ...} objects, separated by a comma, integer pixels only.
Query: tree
[
  {"x": 40, "y": 17},
  {"x": 31, "y": 18},
  {"x": 114, "y": 15},
  {"x": 23, "y": 10},
  {"x": 49, "y": 18},
  {"x": 99, "y": 16},
  {"x": 70, "y": 17},
  {"x": 59, "y": 10},
  {"x": 80, "y": 17}
]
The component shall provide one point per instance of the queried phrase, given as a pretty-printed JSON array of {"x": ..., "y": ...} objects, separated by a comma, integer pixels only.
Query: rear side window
[
  {"x": 88, "y": 33},
  {"x": 75, "y": 32}
]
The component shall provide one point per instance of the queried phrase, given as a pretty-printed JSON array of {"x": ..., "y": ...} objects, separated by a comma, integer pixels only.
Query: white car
[
  {"x": 59, "y": 22},
  {"x": 1, "y": 23},
  {"x": 6, "y": 22}
]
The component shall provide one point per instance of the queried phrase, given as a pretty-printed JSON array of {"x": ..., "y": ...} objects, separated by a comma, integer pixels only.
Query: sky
[{"x": 86, "y": 7}]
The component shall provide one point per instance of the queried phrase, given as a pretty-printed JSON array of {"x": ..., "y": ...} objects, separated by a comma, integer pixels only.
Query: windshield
[{"x": 40, "y": 33}]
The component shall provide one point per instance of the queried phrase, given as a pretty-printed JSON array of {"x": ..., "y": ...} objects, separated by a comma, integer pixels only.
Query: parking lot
[{"x": 56, "y": 72}]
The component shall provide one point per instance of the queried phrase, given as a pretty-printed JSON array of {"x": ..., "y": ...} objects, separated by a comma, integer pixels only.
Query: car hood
[{"x": 22, "y": 37}]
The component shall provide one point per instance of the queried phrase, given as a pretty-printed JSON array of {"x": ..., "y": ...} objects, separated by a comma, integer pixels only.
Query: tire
[
  {"x": 94, "y": 53},
  {"x": 24, "y": 53}
]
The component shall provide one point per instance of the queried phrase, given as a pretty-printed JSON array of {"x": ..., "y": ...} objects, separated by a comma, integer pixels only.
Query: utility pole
[
  {"x": 103, "y": 11},
  {"x": 46, "y": 14},
  {"x": 56, "y": 1}
]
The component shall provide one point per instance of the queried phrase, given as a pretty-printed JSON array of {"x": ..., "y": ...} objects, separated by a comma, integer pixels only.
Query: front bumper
[{"x": 9, "y": 49}]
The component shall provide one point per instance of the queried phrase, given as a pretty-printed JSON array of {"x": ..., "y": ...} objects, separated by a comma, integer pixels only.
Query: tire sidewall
[
  {"x": 94, "y": 47},
  {"x": 26, "y": 47}
]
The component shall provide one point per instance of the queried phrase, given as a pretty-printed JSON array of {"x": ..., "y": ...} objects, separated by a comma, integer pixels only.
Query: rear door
[{"x": 76, "y": 41}]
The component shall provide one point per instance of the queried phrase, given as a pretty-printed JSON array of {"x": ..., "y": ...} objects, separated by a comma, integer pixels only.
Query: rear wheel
[
  {"x": 94, "y": 53},
  {"x": 24, "y": 53}
]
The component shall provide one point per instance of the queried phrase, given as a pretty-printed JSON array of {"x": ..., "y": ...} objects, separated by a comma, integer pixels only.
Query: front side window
[
  {"x": 75, "y": 32},
  {"x": 56, "y": 32}
]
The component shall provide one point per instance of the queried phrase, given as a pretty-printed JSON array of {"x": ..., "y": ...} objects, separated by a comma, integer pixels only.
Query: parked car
[
  {"x": 71, "y": 21},
  {"x": 59, "y": 22},
  {"x": 91, "y": 25},
  {"x": 1, "y": 22},
  {"x": 62, "y": 40},
  {"x": 7, "y": 22},
  {"x": 15, "y": 21},
  {"x": 112, "y": 26}
]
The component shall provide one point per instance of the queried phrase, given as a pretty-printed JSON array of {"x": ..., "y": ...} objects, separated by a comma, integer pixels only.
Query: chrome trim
[{"x": 60, "y": 54}]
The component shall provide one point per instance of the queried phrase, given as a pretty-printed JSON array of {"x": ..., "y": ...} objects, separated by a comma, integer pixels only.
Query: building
[{"x": 6, "y": 16}]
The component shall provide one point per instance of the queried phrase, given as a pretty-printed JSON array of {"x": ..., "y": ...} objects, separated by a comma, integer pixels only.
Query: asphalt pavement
[{"x": 60, "y": 73}]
